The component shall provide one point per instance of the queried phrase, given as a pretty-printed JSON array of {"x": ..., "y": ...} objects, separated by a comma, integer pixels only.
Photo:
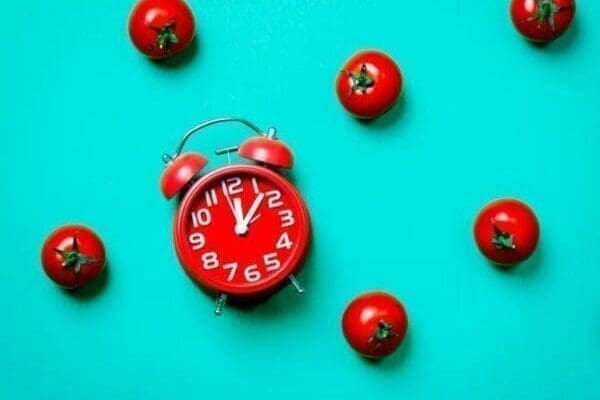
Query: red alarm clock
[{"x": 241, "y": 230}]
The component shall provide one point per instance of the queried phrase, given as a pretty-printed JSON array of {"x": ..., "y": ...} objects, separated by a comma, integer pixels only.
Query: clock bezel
[{"x": 292, "y": 264}]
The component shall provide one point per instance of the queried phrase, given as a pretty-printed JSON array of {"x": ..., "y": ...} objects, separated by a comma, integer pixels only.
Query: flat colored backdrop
[{"x": 84, "y": 120}]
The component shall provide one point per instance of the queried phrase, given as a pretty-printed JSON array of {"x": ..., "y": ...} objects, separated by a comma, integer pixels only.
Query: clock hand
[
  {"x": 257, "y": 216},
  {"x": 237, "y": 214},
  {"x": 237, "y": 206},
  {"x": 241, "y": 228},
  {"x": 253, "y": 209}
]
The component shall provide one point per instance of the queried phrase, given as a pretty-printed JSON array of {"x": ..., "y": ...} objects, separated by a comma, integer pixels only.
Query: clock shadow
[
  {"x": 284, "y": 300},
  {"x": 290, "y": 175}
]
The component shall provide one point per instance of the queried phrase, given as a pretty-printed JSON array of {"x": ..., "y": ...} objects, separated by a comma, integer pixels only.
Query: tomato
[
  {"x": 161, "y": 28},
  {"x": 542, "y": 20},
  {"x": 72, "y": 256},
  {"x": 506, "y": 231},
  {"x": 369, "y": 84},
  {"x": 375, "y": 324}
]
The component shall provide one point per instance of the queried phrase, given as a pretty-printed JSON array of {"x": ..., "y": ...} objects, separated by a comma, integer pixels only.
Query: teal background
[{"x": 84, "y": 120}]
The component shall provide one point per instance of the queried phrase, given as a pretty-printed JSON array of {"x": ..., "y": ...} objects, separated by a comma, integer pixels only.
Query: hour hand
[
  {"x": 253, "y": 208},
  {"x": 241, "y": 228}
]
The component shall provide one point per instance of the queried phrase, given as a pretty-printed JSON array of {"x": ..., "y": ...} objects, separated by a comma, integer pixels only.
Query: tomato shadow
[
  {"x": 181, "y": 59},
  {"x": 93, "y": 289},
  {"x": 527, "y": 268},
  {"x": 563, "y": 43},
  {"x": 394, "y": 360},
  {"x": 390, "y": 117}
]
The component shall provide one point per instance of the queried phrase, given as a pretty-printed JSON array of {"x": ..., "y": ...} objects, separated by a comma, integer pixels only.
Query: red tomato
[
  {"x": 161, "y": 28},
  {"x": 506, "y": 231},
  {"x": 375, "y": 324},
  {"x": 72, "y": 256},
  {"x": 369, "y": 84},
  {"x": 542, "y": 20}
]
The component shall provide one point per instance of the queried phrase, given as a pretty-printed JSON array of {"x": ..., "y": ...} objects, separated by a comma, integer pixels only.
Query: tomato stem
[
  {"x": 166, "y": 36},
  {"x": 73, "y": 258},
  {"x": 361, "y": 80},
  {"x": 546, "y": 10},
  {"x": 501, "y": 239},
  {"x": 384, "y": 331}
]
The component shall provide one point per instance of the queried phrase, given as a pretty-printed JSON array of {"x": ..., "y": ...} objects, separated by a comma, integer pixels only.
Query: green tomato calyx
[
  {"x": 501, "y": 239},
  {"x": 362, "y": 80},
  {"x": 384, "y": 331},
  {"x": 165, "y": 36},
  {"x": 546, "y": 10},
  {"x": 73, "y": 258}
]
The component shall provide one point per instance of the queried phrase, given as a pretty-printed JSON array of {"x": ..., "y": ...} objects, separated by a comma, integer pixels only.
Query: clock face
[{"x": 241, "y": 230}]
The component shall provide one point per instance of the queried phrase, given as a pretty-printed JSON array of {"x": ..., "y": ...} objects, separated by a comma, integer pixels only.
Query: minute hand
[
  {"x": 253, "y": 209},
  {"x": 237, "y": 214}
]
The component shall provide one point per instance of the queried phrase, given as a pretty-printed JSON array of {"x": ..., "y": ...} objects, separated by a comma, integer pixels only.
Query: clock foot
[
  {"x": 296, "y": 284},
  {"x": 221, "y": 300}
]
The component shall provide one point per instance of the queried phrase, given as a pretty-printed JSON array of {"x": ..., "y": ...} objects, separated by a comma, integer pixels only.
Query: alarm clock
[{"x": 241, "y": 230}]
